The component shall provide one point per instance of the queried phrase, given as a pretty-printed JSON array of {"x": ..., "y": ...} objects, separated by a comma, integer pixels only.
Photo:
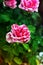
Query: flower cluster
[
  {"x": 19, "y": 34},
  {"x": 28, "y": 5}
]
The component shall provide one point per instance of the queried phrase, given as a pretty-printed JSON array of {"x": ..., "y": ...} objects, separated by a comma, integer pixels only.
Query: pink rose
[
  {"x": 29, "y": 5},
  {"x": 10, "y": 3},
  {"x": 18, "y": 33}
]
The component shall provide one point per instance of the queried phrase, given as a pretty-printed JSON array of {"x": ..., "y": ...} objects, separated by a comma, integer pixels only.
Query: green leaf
[
  {"x": 6, "y": 48},
  {"x": 4, "y": 18},
  {"x": 31, "y": 28},
  {"x": 41, "y": 43},
  {"x": 20, "y": 49},
  {"x": 32, "y": 60},
  {"x": 35, "y": 16},
  {"x": 15, "y": 52},
  {"x": 35, "y": 46},
  {"x": 26, "y": 46},
  {"x": 14, "y": 49},
  {"x": 17, "y": 60},
  {"x": 38, "y": 39}
]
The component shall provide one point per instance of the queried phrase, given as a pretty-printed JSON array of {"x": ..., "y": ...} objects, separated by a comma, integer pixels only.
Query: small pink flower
[
  {"x": 29, "y": 5},
  {"x": 18, "y": 33},
  {"x": 10, "y": 3}
]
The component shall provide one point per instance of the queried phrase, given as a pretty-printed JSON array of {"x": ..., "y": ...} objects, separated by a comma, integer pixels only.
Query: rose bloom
[
  {"x": 10, "y": 3},
  {"x": 29, "y": 5},
  {"x": 19, "y": 34}
]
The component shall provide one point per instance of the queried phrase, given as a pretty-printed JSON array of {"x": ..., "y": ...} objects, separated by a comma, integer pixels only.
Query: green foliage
[
  {"x": 4, "y": 18},
  {"x": 20, "y": 52},
  {"x": 17, "y": 60},
  {"x": 32, "y": 28},
  {"x": 32, "y": 60},
  {"x": 26, "y": 46},
  {"x": 1, "y": 1}
]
